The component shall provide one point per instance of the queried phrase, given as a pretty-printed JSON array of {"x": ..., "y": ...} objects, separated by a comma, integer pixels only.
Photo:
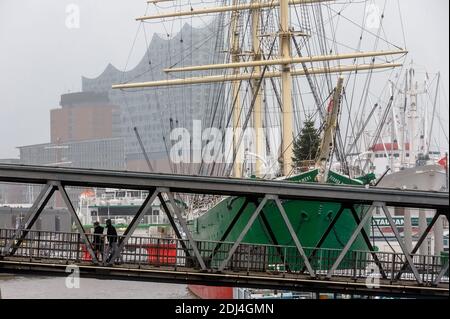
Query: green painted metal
[{"x": 309, "y": 219}]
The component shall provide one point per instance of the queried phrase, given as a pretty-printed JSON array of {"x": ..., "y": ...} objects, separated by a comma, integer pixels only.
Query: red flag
[{"x": 443, "y": 162}]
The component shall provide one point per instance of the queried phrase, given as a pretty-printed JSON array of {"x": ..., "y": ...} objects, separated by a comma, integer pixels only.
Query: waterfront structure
[
  {"x": 156, "y": 112},
  {"x": 107, "y": 153},
  {"x": 51, "y": 219},
  {"x": 82, "y": 116}
]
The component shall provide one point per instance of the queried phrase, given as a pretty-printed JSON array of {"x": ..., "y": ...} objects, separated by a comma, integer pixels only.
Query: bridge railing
[{"x": 174, "y": 253}]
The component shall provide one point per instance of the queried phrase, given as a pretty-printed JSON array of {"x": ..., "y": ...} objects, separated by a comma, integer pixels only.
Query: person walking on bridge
[
  {"x": 111, "y": 234},
  {"x": 98, "y": 240}
]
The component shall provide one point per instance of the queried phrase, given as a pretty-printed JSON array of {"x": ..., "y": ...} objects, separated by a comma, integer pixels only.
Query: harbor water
[{"x": 39, "y": 287}]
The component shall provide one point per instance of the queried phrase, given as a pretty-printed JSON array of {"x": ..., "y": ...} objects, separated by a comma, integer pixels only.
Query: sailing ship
[{"x": 260, "y": 58}]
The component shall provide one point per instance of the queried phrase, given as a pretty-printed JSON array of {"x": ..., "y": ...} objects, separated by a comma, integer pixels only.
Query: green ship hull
[{"x": 310, "y": 219}]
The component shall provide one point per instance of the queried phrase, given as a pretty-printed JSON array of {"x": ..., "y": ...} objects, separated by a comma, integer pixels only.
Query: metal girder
[
  {"x": 400, "y": 242},
  {"x": 325, "y": 234},
  {"x": 174, "y": 225},
  {"x": 185, "y": 228},
  {"x": 223, "y": 186},
  {"x": 250, "y": 222},
  {"x": 294, "y": 236},
  {"x": 419, "y": 243},
  {"x": 445, "y": 268},
  {"x": 441, "y": 274},
  {"x": 368, "y": 243},
  {"x": 229, "y": 228},
  {"x": 77, "y": 221},
  {"x": 29, "y": 220},
  {"x": 146, "y": 205},
  {"x": 272, "y": 236},
  {"x": 351, "y": 241},
  {"x": 243, "y": 233}
]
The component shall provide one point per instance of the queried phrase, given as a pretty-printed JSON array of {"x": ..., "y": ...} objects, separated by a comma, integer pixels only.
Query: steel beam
[
  {"x": 272, "y": 236},
  {"x": 294, "y": 236},
  {"x": 419, "y": 243},
  {"x": 223, "y": 186},
  {"x": 445, "y": 268},
  {"x": 243, "y": 233},
  {"x": 29, "y": 220},
  {"x": 145, "y": 207},
  {"x": 351, "y": 241},
  {"x": 229, "y": 228},
  {"x": 441, "y": 274},
  {"x": 368, "y": 243},
  {"x": 174, "y": 225},
  {"x": 325, "y": 234},
  {"x": 400, "y": 242},
  {"x": 185, "y": 228},
  {"x": 77, "y": 221}
]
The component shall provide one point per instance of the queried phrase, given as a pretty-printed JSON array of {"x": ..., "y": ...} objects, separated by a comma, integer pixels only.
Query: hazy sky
[{"x": 40, "y": 58}]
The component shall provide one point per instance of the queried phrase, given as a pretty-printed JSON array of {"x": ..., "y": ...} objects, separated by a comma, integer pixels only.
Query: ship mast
[
  {"x": 257, "y": 107},
  {"x": 236, "y": 104},
  {"x": 286, "y": 85},
  {"x": 285, "y": 60},
  {"x": 327, "y": 144}
]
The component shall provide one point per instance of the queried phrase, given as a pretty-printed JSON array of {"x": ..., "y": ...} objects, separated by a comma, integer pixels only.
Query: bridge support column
[
  {"x": 252, "y": 219},
  {"x": 243, "y": 233},
  {"x": 229, "y": 228},
  {"x": 351, "y": 241},
  {"x": 273, "y": 237},
  {"x": 445, "y": 267},
  {"x": 145, "y": 207},
  {"x": 368, "y": 243},
  {"x": 419, "y": 243},
  {"x": 402, "y": 244},
  {"x": 183, "y": 224},
  {"x": 77, "y": 221},
  {"x": 29, "y": 220},
  {"x": 174, "y": 226},
  {"x": 294, "y": 235},
  {"x": 325, "y": 234},
  {"x": 441, "y": 274}
]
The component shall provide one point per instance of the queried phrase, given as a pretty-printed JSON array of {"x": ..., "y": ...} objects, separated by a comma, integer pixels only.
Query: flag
[{"x": 443, "y": 162}]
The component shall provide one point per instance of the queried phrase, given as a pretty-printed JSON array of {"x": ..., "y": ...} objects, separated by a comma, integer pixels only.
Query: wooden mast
[
  {"x": 250, "y": 76},
  {"x": 327, "y": 144},
  {"x": 246, "y": 6},
  {"x": 236, "y": 101},
  {"x": 284, "y": 60},
  {"x": 257, "y": 107},
  {"x": 292, "y": 60},
  {"x": 287, "y": 137}
]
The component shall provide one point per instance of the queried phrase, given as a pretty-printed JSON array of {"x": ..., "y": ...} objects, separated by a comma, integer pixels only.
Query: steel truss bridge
[{"x": 223, "y": 263}]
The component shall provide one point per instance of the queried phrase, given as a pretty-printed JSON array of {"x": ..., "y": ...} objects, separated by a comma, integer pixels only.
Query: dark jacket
[
  {"x": 112, "y": 234},
  {"x": 98, "y": 231}
]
